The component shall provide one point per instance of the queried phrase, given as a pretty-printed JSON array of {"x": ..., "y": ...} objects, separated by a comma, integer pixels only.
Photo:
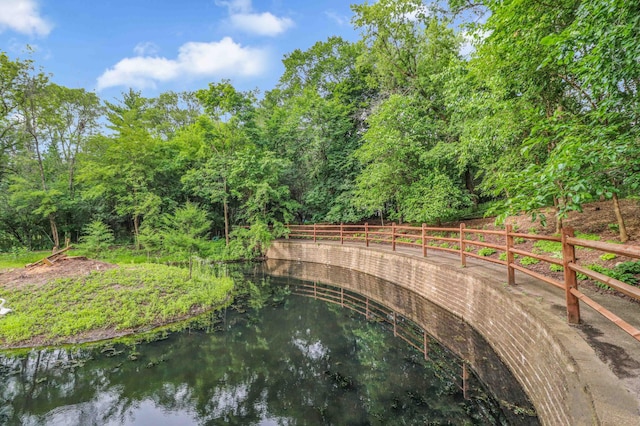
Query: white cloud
[
  {"x": 242, "y": 17},
  {"x": 338, "y": 19},
  {"x": 261, "y": 23},
  {"x": 236, "y": 6},
  {"x": 224, "y": 58},
  {"x": 146, "y": 49},
  {"x": 23, "y": 16}
]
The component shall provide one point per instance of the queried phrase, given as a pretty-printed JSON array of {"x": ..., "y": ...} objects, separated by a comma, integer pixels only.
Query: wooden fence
[{"x": 463, "y": 241}]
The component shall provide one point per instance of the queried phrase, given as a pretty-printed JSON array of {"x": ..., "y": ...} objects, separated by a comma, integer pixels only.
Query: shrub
[
  {"x": 608, "y": 256},
  {"x": 526, "y": 260},
  {"x": 625, "y": 271},
  {"x": 555, "y": 268},
  {"x": 519, "y": 240},
  {"x": 486, "y": 251},
  {"x": 548, "y": 246},
  {"x": 97, "y": 237}
]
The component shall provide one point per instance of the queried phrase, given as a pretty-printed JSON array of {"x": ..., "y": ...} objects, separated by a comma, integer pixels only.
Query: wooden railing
[{"x": 465, "y": 241}]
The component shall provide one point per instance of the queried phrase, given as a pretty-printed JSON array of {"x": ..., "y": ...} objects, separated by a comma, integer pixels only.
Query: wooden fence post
[
  {"x": 570, "y": 277},
  {"x": 366, "y": 234},
  {"x": 424, "y": 240},
  {"x": 463, "y": 259},
  {"x": 511, "y": 273},
  {"x": 341, "y": 233},
  {"x": 314, "y": 232},
  {"x": 393, "y": 236}
]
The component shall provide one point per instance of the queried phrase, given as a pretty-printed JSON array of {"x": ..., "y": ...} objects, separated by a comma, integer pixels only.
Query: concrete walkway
[{"x": 616, "y": 348}]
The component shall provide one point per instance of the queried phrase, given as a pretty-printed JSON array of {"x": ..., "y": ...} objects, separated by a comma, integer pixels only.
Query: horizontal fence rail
[{"x": 470, "y": 243}]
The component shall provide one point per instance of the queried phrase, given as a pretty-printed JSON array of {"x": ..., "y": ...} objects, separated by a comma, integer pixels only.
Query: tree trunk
[
  {"x": 468, "y": 182},
  {"x": 624, "y": 237},
  {"x": 556, "y": 205},
  {"x": 226, "y": 214},
  {"x": 54, "y": 233},
  {"x": 136, "y": 223}
]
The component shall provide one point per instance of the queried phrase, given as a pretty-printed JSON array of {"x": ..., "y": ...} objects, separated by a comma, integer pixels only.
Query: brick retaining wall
[{"x": 563, "y": 377}]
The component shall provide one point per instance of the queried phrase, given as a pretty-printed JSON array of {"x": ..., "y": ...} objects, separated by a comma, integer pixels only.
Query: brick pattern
[{"x": 531, "y": 346}]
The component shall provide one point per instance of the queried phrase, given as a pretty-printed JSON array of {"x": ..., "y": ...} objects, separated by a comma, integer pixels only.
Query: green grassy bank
[{"x": 112, "y": 302}]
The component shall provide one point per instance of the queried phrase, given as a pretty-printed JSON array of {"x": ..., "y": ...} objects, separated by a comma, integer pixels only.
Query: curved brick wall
[{"x": 562, "y": 375}]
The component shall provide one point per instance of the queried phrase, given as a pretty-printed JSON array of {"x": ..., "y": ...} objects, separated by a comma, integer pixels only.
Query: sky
[{"x": 154, "y": 46}]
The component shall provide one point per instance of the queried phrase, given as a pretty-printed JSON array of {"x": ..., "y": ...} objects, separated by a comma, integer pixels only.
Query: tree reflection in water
[{"x": 272, "y": 358}]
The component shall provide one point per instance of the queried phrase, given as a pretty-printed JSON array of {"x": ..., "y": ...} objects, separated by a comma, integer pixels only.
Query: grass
[
  {"x": 19, "y": 258},
  {"x": 122, "y": 299}
]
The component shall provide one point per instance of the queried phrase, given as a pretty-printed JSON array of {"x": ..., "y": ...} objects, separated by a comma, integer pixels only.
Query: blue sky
[{"x": 160, "y": 45}]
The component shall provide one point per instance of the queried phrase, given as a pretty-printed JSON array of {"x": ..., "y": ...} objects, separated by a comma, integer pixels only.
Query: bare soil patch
[{"x": 67, "y": 267}]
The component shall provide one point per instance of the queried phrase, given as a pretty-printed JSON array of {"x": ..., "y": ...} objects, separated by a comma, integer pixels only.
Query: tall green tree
[
  {"x": 227, "y": 128},
  {"x": 314, "y": 118},
  {"x": 409, "y": 152},
  {"x": 183, "y": 231},
  {"x": 121, "y": 167}
]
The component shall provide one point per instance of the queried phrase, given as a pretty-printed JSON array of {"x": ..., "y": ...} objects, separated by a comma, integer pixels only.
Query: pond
[{"x": 278, "y": 355}]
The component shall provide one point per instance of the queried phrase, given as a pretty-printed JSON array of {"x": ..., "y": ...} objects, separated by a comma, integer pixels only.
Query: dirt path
[{"x": 64, "y": 268}]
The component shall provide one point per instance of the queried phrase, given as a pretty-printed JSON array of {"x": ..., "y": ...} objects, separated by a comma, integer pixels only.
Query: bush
[
  {"x": 97, "y": 237},
  {"x": 529, "y": 261},
  {"x": 625, "y": 272},
  {"x": 608, "y": 256},
  {"x": 555, "y": 268},
  {"x": 548, "y": 246},
  {"x": 486, "y": 251}
]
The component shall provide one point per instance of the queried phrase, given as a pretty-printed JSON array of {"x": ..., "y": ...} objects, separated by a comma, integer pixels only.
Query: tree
[
  {"x": 409, "y": 150},
  {"x": 183, "y": 231},
  {"x": 97, "y": 237},
  {"x": 314, "y": 118},
  {"x": 122, "y": 167},
  {"x": 227, "y": 129}
]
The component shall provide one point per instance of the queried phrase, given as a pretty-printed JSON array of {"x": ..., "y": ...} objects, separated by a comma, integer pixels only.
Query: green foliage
[
  {"x": 123, "y": 298},
  {"x": 253, "y": 242},
  {"x": 18, "y": 257},
  {"x": 590, "y": 237},
  {"x": 626, "y": 272},
  {"x": 552, "y": 247},
  {"x": 527, "y": 260},
  {"x": 555, "y": 268},
  {"x": 607, "y": 256},
  {"x": 486, "y": 251},
  {"x": 97, "y": 237},
  {"x": 394, "y": 126}
]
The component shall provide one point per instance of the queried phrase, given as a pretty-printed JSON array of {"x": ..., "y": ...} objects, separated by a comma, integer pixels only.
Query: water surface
[{"x": 273, "y": 358}]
